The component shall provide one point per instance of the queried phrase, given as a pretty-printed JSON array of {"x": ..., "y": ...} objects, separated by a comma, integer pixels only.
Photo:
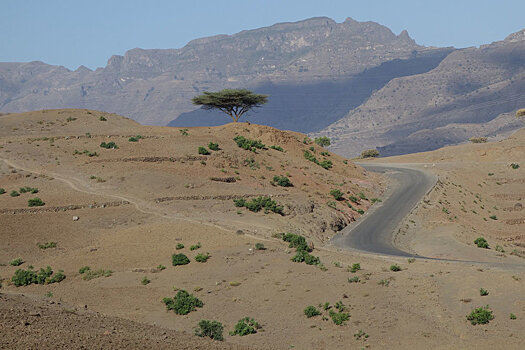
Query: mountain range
[{"x": 356, "y": 82}]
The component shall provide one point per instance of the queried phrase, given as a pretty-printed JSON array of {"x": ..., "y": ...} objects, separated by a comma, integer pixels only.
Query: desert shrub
[
  {"x": 109, "y": 145},
  {"x": 514, "y": 166},
  {"x": 353, "y": 199},
  {"x": 47, "y": 245},
  {"x": 354, "y": 279},
  {"x": 339, "y": 318},
  {"x": 326, "y": 163},
  {"x": 259, "y": 246},
  {"x": 322, "y": 141},
  {"x": 251, "y": 163},
  {"x": 512, "y": 316},
  {"x": 179, "y": 246},
  {"x": 16, "y": 262},
  {"x": 245, "y": 326},
  {"x": 360, "y": 334},
  {"x": 43, "y": 276},
  {"x": 480, "y": 315},
  {"x": 355, "y": 267},
  {"x": 282, "y": 181},
  {"x": 370, "y": 153},
  {"x": 483, "y": 292},
  {"x": 411, "y": 260},
  {"x": 375, "y": 200},
  {"x": 493, "y": 217},
  {"x": 277, "y": 148},
  {"x": 203, "y": 151},
  {"x": 481, "y": 243},
  {"x": 362, "y": 196},
  {"x": 102, "y": 119},
  {"x": 296, "y": 241},
  {"x": 179, "y": 259},
  {"x": 326, "y": 154},
  {"x": 145, "y": 281},
  {"x": 337, "y": 194},
  {"x": 14, "y": 193},
  {"x": 183, "y": 303},
  {"x": 395, "y": 268},
  {"x": 84, "y": 269},
  {"x": 256, "y": 204},
  {"x": 311, "y": 311},
  {"x": 2, "y": 190},
  {"x": 161, "y": 267},
  {"x": 478, "y": 139},
  {"x": 35, "y": 202},
  {"x": 202, "y": 257},
  {"x": 133, "y": 139},
  {"x": 384, "y": 283},
  {"x": 500, "y": 249},
  {"x": 360, "y": 211},
  {"x": 303, "y": 255},
  {"x": 28, "y": 190},
  {"x": 195, "y": 246},
  {"x": 89, "y": 274},
  {"x": 70, "y": 119},
  {"x": 211, "y": 329},
  {"x": 248, "y": 144},
  {"x": 213, "y": 146}
]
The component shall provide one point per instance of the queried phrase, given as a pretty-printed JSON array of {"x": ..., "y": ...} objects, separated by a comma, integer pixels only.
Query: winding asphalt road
[{"x": 374, "y": 232}]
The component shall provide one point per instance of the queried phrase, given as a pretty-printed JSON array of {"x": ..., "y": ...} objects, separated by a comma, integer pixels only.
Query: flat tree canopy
[{"x": 234, "y": 102}]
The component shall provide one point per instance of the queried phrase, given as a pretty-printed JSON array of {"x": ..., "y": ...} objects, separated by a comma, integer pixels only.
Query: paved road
[{"x": 373, "y": 233}]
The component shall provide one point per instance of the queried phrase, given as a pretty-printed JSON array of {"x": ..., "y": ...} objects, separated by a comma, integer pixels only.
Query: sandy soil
[{"x": 131, "y": 220}]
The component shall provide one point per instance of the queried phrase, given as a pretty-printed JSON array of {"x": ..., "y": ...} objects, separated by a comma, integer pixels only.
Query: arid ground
[{"x": 125, "y": 210}]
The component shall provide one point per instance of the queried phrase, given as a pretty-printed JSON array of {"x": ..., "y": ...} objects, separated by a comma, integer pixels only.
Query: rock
[{"x": 75, "y": 218}]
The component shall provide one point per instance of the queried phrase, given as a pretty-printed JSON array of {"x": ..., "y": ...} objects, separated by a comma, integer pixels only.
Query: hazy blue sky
[{"x": 88, "y": 32}]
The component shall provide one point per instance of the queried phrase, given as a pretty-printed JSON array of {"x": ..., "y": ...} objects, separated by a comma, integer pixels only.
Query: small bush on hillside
[
  {"x": 296, "y": 241},
  {"x": 481, "y": 243},
  {"x": 353, "y": 199},
  {"x": 259, "y": 246},
  {"x": 248, "y": 144},
  {"x": 203, "y": 151},
  {"x": 339, "y": 318},
  {"x": 35, "y": 202},
  {"x": 303, "y": 255},
  {"x": 245, "y": 326},
  {"x": 16, "y": 262},
  {"x": 196, "y": 246},
  {"x": 326, "y": 163},
  {"x": 179, "y": 246},
  {"x": 43, "y": 276},
  {"x": 354, "y": 279},
  {"x": 2, "y": 190},
  {"x": 483, "y": 292},
  {"x": 370, "y": 153},
  {"x": 480, "y": 315},
  {"x": 133, "y": 139},
  {"x": 89, "y": 274},
  {"x": 256, "y": 204},
  {"x": 360, "y": 211},
  {"x": 326, "y": 154},
  {"x": 28, "y": 190},
  {"x": 478, "y": 139},
  {"x": 512, "y": 316},
  {"x": 282, "y": 181},
  {"x": 322, "y": 141},
  {"x": 362, "y": 196},
  {"x": 311, "y": 311},
  {"x": 213, "y": 146},
  {"x": 102, "y": 119},
  {"x": 515, "y": 166},
  {"x": 493, "y": 217},
  {"x": 47, "y": 245},
  {"x": 202, "y": 257},
  {"x": 14, "y": 193},
  {"x": 337, "y": 194},
  {"x": 84, "y": 269},
  {"x": 145, "y": 281},
  {"x": 277, "y": 148},
  {"x": 179, "y": 259},
  {"x": 183, "y": 303},
  {"x": 395, "y": 268},
  {"x": 211, "y": 329},
  {"x": 109, "y": 145},
  {"x": 355, "y": 267}
]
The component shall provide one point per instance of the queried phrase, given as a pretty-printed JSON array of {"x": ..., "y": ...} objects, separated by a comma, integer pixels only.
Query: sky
[{"x": 88, "y": 32}]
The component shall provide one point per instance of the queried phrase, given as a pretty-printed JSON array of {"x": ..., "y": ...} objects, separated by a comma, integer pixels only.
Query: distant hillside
[{"x": 467, "y": 95}]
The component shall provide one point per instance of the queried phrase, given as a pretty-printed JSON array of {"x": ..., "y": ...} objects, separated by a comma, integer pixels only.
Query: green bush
[
  {"x": 35, "y": 202},
  {"x": 337, "y": 194},
  {"x": 47, "y": 245},
  {"x": 478, "y": 139},
  {"x": 2, "y": 190},
  {"x": 354, "y": 279},
  {"x": 256, "y": 204},
  {"x": 355, "y": 267},
  {"x": 179, "y": 259},
  {"x": 303, "y": 255},
  {"x": 311, "y": 311},
  {"x": 245, "y": 326},
  {"x": 14, "y": 193},
  {"x": 211, "y": 329},
  {"x": 183, "y": 303},
  {"x": 282, "y": 181},
  {"x": 145, "y": 281},
  {"x": 354, "y": 199},
  {"x": 515, "y": 166},
  {"x": 277, "y": 148},
  {"x": 339, "y": 318},
  {"x": 109, "y": 145},
  {"x": 259, "y": 246},
  {"x": 196, "y": 246},
  {"x": 84, "y": 269},
  {"x": 512, "y": 316},
  {"x": 481, "y": 243},
  {"x": 296, "y": 241},
  {"x": 493, "y": 217},
  {"x": 89, "y": 274},
  {"x": 179, "y": 246},
  {"x": 326, "y": 163},
  {"x": 360, "y": 211},
  {"x": 102, "y": 119},
  {"x": 43, "y": 276},
  {"x": 16, "y": 262},
  {"x": 248, "y": 144},
  {"x": 28, "y": 190},
  {"x": 362, "y": 195},
  {"x": 202, "y": 257},
  {"x": 213, "y": 146},
  {"x": 395, "y": 268},
  {"x": 203, "y": 151},
  {"x": 370, "y": 153},
  {"x": 483, "y": 292},
  {"x": 133, "y": 139},
  {"x": 480, "y": 315},
  {"x": 322, "y": 141}
]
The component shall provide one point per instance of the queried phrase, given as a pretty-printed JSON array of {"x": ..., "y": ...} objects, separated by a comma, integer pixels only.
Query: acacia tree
[{"x": 234, "y": 102}]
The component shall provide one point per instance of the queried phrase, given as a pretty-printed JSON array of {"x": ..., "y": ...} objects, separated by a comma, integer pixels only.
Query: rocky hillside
[
  {"x": 295, "y": 63},
  {"x": 473, "y": 92}
]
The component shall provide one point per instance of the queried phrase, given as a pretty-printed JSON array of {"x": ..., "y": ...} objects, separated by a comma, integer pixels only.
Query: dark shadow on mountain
[{"x": 309, "y": 107}]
